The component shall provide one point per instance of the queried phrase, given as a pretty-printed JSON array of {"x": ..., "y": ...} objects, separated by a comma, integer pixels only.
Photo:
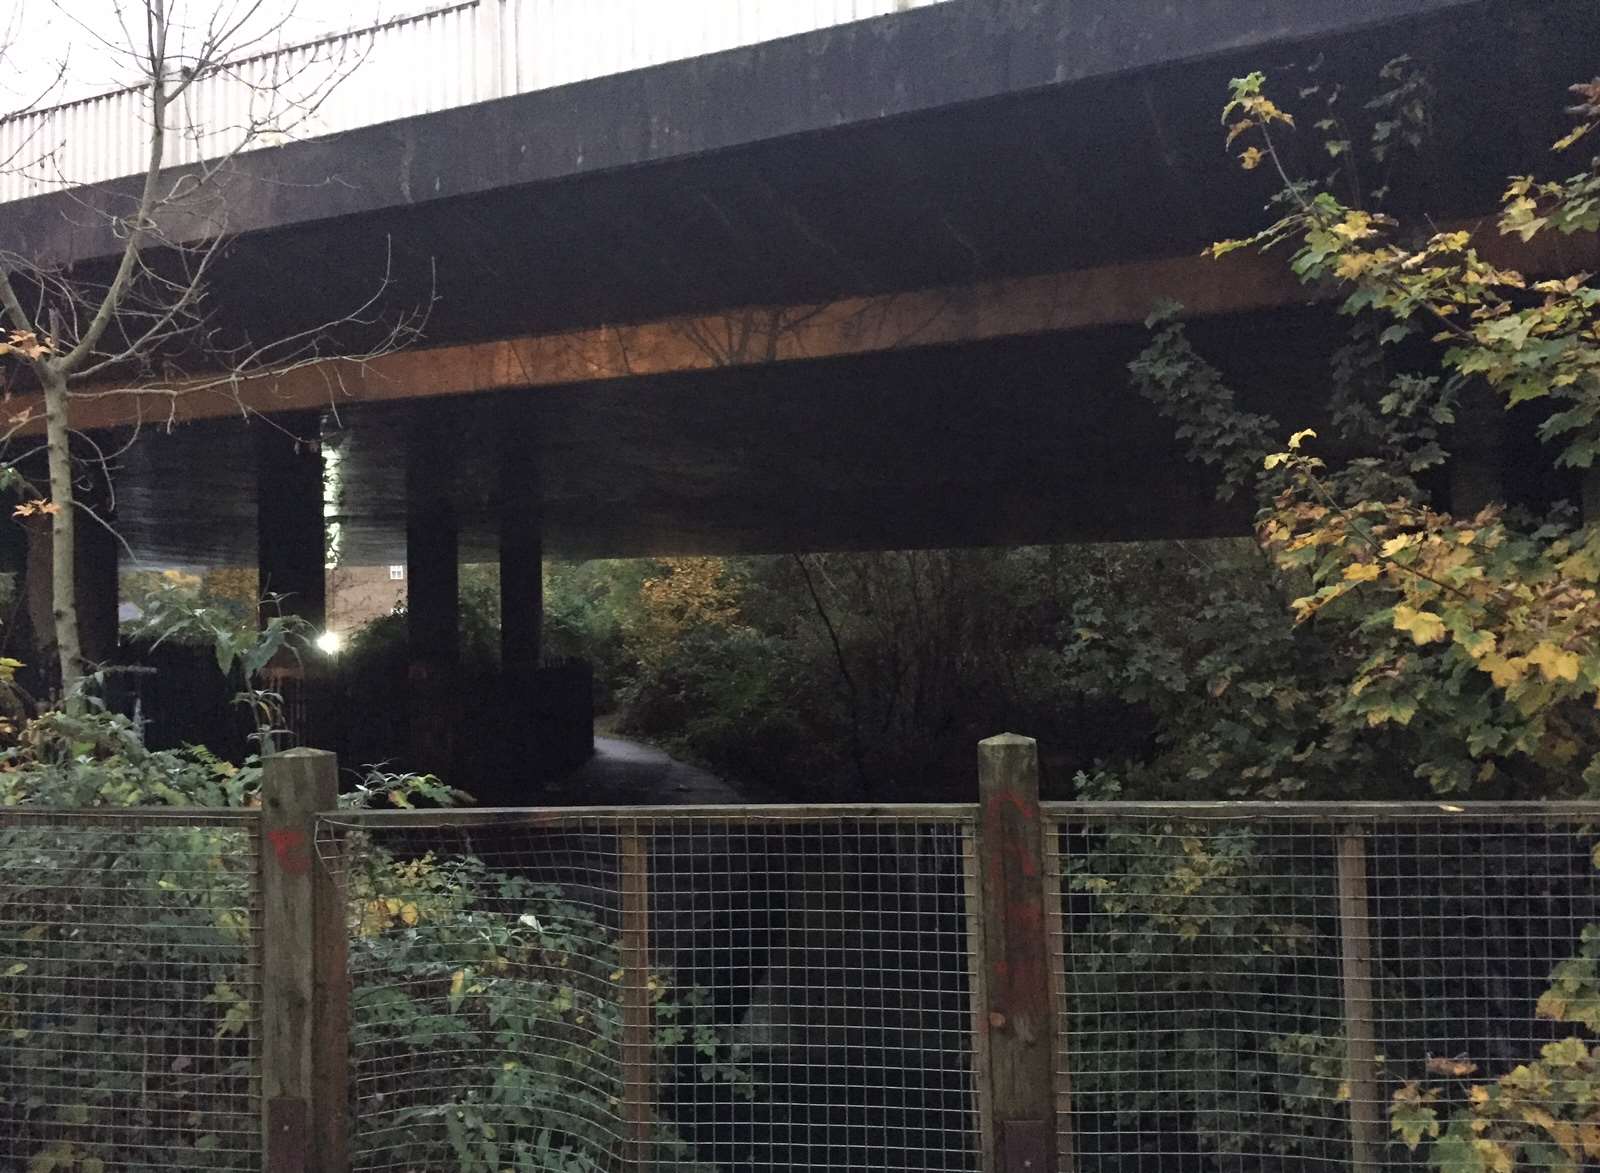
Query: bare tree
[{"x": 146, "y": 331}]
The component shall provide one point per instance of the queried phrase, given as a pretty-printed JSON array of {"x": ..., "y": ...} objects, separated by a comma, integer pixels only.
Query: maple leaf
[
  {"x": 1424, "y": 627},
  {"x": 1555, "y": 663}
]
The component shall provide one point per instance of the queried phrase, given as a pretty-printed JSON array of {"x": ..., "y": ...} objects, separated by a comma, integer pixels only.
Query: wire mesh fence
[
  {"x": 1251, "y": 990},
  {"x": 128, "y": 990},
  {"x": 802, "y": 988},
  {"x": 688, "y": 991}
]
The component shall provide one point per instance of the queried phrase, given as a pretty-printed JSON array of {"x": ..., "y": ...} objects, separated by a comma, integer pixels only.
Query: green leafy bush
[
  {"x": 484, "y": 1007},
  {"x": 486, "y": 1025}
]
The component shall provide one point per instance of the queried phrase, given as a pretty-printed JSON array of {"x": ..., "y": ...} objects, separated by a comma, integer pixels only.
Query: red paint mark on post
[
  {"x": 1021, "y": 858},
  {"x": 1028, "y": 809},
  {"x": 289, "y": 845}
]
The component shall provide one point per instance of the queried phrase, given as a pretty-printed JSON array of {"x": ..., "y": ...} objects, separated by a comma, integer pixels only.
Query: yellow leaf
[
  {"x": 1362, "y": 571},
  {"x": 1562, "y": 144},
  {"x": 1555, "y": 663},
  {"x": 1250, "y": 158},
  {"x": 1424, "y": 627},
  {"x": 1352, "y": 265},
  {"x": 1301, "y": 437},
  {"x": 1494, "y": 1155},
  {"x": 1505, "y": 670},
  {"x": 1356, "y": 226},
  {"x": 1563, "y": 1134},
  {"x": 1589, "y": 1138},
  {"x": 1551, "y": 1005},
  {"x": 408, "y": 913}
]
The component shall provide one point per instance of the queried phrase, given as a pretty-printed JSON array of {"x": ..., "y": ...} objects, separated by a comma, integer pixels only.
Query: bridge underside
[
  {"x": 973, "y": 147},
  {"x": 999, "y": 439},
  {"x": 1012, "y": 440}
]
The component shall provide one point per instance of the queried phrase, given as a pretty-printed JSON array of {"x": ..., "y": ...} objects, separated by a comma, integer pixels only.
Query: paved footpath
[{"x": 630, "y": 773}]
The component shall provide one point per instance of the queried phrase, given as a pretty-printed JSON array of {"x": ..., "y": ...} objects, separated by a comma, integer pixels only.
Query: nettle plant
[{"x": 1469, "y": 644}]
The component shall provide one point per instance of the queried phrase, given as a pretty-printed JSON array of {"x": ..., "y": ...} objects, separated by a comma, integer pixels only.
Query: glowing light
[{"x": 330, "y": 642}]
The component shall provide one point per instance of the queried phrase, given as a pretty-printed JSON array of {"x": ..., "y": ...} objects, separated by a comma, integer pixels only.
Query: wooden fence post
[
  {"x": 304, "y": 992},
  {"x": 637, "y": 1083},
  {"x": 1019, "y": 1018},
  {"x": 1361, "y": 1044}
]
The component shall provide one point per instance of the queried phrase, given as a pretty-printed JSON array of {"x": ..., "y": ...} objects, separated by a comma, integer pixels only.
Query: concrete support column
[
  {"x": 433, "y": 607},
  {"x": 521, "y": 567},
  {"x": 291, "y": 557},
  {"x": 98, "y": 561},
  {"x": 523, "y": 718}
]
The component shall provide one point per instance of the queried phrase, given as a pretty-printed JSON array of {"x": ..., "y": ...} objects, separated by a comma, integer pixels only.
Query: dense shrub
[{"x": 484, "y": 1007}]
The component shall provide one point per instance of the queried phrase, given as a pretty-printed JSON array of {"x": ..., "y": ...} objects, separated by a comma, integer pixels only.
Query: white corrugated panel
[{"x": 450, "y": 57}]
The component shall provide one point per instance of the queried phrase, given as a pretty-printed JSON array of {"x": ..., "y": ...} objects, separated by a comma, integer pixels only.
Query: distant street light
[{"x": 330, "y": 642}]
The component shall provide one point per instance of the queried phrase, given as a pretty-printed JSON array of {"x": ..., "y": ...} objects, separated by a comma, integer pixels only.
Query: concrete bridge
[{"x": 824, "y": 283}]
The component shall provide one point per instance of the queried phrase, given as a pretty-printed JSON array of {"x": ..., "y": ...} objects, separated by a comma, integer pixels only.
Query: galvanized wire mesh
[
  {"x": 1475, "y": 917},
  {"x": 692, "y": 990},
  {"x": 128, "y": 990},
  {"x": 1201, "y": 1011},
  {"x": 1259, "y": 989}
]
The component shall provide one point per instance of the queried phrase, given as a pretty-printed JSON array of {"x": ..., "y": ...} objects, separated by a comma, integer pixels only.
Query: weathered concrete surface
[{"x": 911, "y": 63}]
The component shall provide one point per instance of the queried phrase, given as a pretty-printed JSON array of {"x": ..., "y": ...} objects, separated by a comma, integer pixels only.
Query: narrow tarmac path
[{"x": 631, "y": 773}]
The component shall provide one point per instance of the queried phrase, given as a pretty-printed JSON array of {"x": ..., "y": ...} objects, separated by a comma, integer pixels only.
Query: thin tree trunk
[{"x": 63, "y": 527}]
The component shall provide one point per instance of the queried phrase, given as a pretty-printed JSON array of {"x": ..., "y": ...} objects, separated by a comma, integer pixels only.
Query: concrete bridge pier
[
  {"x": 545, "y": 712},
  {"x": 291, "y": 559},
  {"x": 521, "y": 543},
  {"x": 290, "y": 540},
  {"x": 433, "y": 606},
  {"x": 97, "y": 559}
]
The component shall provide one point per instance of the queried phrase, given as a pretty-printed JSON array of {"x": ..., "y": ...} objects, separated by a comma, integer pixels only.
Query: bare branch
[{"x": 141, "y": 333}]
